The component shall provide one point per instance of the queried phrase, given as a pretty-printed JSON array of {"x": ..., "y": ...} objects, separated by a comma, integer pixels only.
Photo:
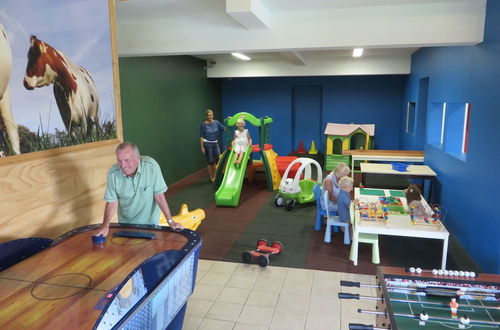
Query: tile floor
[{"x": 240, "y": 296}]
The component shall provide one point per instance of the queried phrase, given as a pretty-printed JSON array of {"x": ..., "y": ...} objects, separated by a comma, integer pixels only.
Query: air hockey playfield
[
  {"x": 421, "y": 300},
  {"x": 139, "y": 278}
]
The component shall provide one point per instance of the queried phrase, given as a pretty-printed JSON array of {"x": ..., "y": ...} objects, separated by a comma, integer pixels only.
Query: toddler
[
  {"x": 343, "y": 198},
  {"x": 241, "y": 140}
]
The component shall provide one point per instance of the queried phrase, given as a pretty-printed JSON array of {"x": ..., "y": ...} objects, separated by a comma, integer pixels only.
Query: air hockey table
[
  {"x": 139, "y": 278},
  {"x": 402, "y": 297}
]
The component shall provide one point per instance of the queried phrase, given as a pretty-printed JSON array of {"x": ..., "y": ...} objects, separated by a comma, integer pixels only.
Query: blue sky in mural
[{"x": 77, "y": 28}]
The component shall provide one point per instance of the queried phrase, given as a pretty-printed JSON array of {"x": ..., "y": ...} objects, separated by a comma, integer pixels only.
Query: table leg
[
  {"x": 353, "y": 256},
  {"x": 352, "y": 167},
  {"x": 445, "y": 253}
]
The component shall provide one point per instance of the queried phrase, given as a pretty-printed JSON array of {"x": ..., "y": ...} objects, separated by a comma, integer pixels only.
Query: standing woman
[{"x": 210, "y": 131}]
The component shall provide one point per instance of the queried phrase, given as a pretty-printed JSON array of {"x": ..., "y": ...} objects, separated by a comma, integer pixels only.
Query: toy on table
[
  {"x": 262, "y": 253},
  {"x": 435, "y": 217},
  {"x": 412, "y": 215},
  {"x": 393, "y": 204},
  {"x": 395, "y": 201},
  {"x": 293, "y": 190},
  {"x": 386, "y": 213},
  {"x": 371, "y": 210},
  {"x": 188, "y": 219}
]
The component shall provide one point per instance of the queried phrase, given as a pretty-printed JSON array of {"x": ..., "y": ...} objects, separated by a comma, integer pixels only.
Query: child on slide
[{"x": 241, "y": 140}]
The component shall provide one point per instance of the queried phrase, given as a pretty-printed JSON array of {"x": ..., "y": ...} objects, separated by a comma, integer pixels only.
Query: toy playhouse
[{"x": 341, "y": 137}]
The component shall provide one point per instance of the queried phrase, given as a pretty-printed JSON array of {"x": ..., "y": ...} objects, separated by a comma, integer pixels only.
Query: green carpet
[
  {"x": 292, "y": 228},
  {"x": 198, "y": 195}
]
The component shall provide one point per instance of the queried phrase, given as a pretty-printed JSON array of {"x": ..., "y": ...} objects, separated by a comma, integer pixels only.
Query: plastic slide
[{"x": 229, "y": 191}]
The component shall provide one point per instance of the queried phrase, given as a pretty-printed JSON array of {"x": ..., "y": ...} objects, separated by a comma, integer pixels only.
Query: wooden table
[
  {"x": 398, "y": 225},
  {"x": 413, "y": 171},
  {"x": 384, "y": 156},
  {"x": 75, "y": 284}
]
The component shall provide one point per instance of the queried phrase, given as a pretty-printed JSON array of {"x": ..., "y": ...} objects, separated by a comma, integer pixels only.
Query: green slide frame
[{"x": 229, "y": 191}]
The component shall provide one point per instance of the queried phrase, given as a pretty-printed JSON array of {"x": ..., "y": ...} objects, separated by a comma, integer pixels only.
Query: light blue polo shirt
[{"x": 135, "y": 196}]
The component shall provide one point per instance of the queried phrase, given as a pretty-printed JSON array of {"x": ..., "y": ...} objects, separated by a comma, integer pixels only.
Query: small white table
[
  {"x": 398, "y": 225},
  {"x": 413, "y": 171},
  {"x": 413, "y": 156}
]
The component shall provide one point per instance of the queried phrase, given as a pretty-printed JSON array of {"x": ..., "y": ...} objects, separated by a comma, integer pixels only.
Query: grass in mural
[
  {"x": 42, "y": 140},
  {"x": 31, "y": 141}
]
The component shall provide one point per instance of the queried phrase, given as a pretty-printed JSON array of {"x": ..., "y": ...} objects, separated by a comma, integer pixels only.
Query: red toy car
[{"x": 262, "y": 253}]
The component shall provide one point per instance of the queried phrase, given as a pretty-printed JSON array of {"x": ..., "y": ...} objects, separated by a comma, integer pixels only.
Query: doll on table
[{"x": 414, "y": 201}]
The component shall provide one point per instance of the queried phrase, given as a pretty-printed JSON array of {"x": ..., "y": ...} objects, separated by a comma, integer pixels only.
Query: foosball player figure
[
  {"x": 464, "y": 321},
  {"x": 454, "y": 308},
  {"x": 423, "y": 317}
]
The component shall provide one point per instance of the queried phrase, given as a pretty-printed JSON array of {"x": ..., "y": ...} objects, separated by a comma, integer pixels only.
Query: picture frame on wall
[{"x": 58, "y": 76}]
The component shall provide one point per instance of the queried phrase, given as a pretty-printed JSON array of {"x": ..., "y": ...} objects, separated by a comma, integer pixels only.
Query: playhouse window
[
  {"x": 337, "y": 147},
  {"x": 358, "y": 141}
]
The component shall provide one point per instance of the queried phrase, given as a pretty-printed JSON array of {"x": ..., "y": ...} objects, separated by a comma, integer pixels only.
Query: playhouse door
[{"x": 306, "y": 116}]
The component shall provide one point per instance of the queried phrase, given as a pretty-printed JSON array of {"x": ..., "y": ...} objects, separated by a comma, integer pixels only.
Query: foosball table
[{"x": 415, "y": 298}]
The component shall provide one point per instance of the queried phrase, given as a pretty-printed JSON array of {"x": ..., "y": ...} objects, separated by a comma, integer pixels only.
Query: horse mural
[{"x": 74, "y": 89}]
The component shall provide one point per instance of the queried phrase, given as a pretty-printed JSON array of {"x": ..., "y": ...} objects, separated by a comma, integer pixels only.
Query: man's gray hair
[{"x": 125, "y": 145}]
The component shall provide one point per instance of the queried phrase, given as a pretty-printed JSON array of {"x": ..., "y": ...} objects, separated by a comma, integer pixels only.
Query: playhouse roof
[{"x": 347, "y": 129}]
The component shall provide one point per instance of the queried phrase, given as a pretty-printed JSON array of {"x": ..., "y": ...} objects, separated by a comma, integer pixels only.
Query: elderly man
[{"x": 135, "y": 187}]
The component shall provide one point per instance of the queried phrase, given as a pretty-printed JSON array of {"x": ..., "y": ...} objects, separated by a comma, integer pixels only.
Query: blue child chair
[{"x": 332, "y": 218}]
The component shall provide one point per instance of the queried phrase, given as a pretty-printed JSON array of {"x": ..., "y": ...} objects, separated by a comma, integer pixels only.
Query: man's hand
[
  {"x": 202, "y": 150},
  {"x": 174, "y": 225},
  {"x": 103, "y": 231}
]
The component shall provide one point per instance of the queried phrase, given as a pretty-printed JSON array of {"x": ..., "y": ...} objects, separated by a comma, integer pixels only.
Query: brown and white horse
[
  {"x": 7, "y": 124},
  {"x": 74, "y": 88}
]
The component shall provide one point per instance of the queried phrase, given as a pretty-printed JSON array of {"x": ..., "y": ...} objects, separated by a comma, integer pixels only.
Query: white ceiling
[{"x": 297, "y": 37}]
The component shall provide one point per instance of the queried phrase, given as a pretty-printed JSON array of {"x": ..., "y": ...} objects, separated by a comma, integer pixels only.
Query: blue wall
[
  {"x": 469, "y": 188},
  {"x": 354, "y": 99}
]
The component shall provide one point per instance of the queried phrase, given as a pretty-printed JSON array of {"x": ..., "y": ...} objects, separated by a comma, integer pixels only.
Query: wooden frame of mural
[
  {"x": 80, "y": 123},
  {"x": 47, "y": 193}
]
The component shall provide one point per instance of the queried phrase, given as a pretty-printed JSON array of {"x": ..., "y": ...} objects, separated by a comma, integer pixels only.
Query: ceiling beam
[
  {"x": 252, "y": 14},
  {"x": 293, "y": 57},
  {"x": 342, "y": 66}
]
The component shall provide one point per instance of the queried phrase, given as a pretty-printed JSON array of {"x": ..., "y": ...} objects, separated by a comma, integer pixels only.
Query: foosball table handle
[
  {"x": 343, "y": 295},
  {"x": 350, "y": 283},
  {"x": 359, "y": 326}
]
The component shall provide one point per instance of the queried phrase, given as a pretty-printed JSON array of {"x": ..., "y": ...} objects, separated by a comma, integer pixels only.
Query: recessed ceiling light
[
  {"x": 357, "y": 52},
  {"x": 241, "y": 56}
]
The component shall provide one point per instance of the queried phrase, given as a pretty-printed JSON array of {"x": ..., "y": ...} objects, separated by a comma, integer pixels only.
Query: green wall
[{"x": 163, "y": 103}]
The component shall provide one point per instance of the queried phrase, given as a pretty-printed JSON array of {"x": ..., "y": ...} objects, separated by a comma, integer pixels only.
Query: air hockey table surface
[
  {"x": 394, "y": 277},
  {"x": 75, "y": 284}
]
